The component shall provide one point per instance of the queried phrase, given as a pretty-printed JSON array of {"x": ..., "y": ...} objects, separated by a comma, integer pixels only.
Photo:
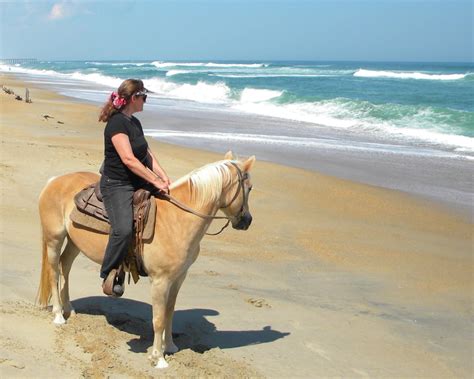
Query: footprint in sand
[{"x": 259, "y": 303}]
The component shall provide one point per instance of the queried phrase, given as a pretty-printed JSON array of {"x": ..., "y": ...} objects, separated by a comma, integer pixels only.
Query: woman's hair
[{"x": 118, "y": 100}]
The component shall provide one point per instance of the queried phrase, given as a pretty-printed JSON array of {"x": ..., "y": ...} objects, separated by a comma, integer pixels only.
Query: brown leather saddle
[
  {"x": 90, "y": 213},
  {"x": 90, "y": 202}
]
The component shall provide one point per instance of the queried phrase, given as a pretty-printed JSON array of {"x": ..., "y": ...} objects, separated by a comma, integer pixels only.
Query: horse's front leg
[
  {"x": 170, "y": 346},
  {"x": 160, "y": 288},
  {"x": 67, "y": 258}
]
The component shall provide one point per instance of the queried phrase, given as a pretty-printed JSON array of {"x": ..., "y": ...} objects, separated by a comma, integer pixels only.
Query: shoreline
[
  {"x": 340, "y": 278},
  {"x": 438, "y": 176}
]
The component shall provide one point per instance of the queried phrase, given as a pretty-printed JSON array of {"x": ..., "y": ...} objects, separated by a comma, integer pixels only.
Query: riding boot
[{"x": 114, "y": 284}]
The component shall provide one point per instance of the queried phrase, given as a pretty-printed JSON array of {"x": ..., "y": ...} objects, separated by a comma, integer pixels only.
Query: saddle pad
[{"x": 88, "y": 222}]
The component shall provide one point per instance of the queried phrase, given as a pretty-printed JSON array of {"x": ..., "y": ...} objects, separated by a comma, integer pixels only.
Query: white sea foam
[
  {"x": 279, "y": 72},
  {"x": 17, "y": 68},
  {"x": 254, "y": 70},
  {"x": 299, "y": 142},
  {"x": 203, "y": 92},
  {"x": 117, "y": 63},
  {"x": 177, "y": 72},
  {"x": 252, "y": 95},
  {"x": 109, "y": 81},
  {"x": 199, "y": 92},
  {"x": 338, "y": 115},
  {"x": 242, "y": 137},
  {"x": 249, "y": 65},
  {"x": 92, "y": 77},
  {"x": 160, "y": 64},
  {"x": 407, "y": 75},
  {"x": 270, "y": 75},
  {"x": 315, "y": 113}
]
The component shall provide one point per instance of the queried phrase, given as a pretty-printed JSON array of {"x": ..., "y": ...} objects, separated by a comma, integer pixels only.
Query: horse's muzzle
[{"x": 244, "y": 222}]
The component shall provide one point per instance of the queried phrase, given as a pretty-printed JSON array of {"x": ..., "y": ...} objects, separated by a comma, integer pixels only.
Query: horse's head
[{"x": 235, "y": 201}]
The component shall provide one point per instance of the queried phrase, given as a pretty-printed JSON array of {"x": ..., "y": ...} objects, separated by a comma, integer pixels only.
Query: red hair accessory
[{"x": 117, "y": 101}]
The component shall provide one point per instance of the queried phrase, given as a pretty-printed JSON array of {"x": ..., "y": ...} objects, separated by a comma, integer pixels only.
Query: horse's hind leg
[{"x": 67, "y": 258}]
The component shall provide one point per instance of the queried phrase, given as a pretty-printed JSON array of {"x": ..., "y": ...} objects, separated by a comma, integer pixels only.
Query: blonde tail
[{"x": 44, "y": 290}]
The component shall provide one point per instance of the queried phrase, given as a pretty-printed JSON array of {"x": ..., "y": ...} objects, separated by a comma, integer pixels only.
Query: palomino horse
[{"x": 223, "y": 185}]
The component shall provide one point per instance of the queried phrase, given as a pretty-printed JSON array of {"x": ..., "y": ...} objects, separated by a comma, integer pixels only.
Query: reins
[{"x": 185, "y": 208}]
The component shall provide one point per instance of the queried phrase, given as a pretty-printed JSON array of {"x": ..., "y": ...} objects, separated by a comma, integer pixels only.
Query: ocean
[
  {"x": 305, "y": 113},
  {"x": 425, "y": 104}
]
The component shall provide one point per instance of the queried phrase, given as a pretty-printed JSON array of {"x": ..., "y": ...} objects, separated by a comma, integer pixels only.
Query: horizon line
[{"x": 237, "y": 60}]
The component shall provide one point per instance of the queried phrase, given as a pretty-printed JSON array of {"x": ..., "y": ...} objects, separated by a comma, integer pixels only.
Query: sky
[{"x": 350, "y": 30}]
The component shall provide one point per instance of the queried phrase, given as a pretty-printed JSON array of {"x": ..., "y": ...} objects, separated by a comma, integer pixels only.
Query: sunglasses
[{"x": 142, "y": 94}]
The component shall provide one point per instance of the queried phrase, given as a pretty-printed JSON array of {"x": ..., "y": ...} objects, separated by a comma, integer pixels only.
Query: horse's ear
[
  {"x": 249, "y": 163},
  {"x": 229, "y": 155}
]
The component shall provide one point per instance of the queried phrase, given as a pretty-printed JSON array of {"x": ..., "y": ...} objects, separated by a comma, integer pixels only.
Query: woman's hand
[
  {"x": 167, "y": 181},
  {"x": 161, "y": 185}
]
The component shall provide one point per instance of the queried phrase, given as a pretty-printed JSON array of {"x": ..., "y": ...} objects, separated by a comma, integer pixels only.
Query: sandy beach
[{"x": 333, "y": 279}]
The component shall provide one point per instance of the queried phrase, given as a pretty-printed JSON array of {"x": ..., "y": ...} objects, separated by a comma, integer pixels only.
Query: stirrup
[{"x": 114, "y": 284}]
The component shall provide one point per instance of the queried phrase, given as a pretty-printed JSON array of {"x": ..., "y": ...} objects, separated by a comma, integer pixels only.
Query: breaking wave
[
  {"x": 407, "y": 75},
  {"x": 160, "y": 64}
]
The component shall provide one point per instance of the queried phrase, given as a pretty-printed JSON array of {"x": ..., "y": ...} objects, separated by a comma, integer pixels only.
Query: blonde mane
[{"x": 206, "y": 183}]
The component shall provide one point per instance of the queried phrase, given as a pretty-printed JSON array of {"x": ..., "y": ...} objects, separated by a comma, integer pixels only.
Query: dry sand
[{"x": 333, "y": 278}]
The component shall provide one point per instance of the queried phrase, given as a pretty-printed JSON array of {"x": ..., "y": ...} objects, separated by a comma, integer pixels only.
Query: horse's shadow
[{"x": 196, "y": 332}]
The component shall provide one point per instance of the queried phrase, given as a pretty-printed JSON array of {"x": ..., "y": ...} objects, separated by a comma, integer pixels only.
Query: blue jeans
[{"x": 118, "y": 197}]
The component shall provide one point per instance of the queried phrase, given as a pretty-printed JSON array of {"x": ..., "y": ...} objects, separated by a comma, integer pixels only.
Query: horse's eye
[{"x": 250, "y": 188}]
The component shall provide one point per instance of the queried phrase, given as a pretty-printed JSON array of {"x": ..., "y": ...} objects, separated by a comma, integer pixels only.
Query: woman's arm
[
  {"x": 157, "y": 169},
  {"x": 121, "y": 143}
]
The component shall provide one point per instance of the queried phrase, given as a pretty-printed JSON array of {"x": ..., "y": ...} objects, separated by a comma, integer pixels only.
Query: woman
[{"x": 128, "y": 165}]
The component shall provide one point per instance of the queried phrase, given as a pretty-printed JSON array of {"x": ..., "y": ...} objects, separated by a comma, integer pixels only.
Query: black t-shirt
[{"x": 114, "y": 168}]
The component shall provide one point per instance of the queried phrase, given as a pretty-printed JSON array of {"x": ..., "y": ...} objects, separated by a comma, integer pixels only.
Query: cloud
[
  {"x": 58, "y": 11},
  {"x": 68, "y": 8}
]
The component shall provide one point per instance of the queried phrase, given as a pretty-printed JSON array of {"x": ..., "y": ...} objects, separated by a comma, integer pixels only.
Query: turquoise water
[{"x": 430, "y": 103}]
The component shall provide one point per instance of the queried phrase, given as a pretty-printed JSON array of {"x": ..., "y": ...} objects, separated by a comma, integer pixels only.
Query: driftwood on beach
[
  {"x": 9, "y": 91},
  {"x": 27, "y": 96}
]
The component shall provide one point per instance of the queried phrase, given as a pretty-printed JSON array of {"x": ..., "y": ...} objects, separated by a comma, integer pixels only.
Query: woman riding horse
[{"x": 223, "y": 185}]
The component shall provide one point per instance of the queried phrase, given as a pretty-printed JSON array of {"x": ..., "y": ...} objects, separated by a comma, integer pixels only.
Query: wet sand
[{"x": 334, "y": 278}]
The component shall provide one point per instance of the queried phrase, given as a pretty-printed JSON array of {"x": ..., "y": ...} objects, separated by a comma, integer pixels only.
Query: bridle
[{"x": 243, "y": 176}]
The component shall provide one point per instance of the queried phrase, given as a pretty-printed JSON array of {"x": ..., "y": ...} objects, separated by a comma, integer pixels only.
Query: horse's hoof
[
  {"x": 59, "y": 319},
  {"x": 162, "y": 363},
  {"x": 69, "y": 314},
  {"x": 171, "y": 348}
]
